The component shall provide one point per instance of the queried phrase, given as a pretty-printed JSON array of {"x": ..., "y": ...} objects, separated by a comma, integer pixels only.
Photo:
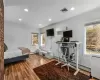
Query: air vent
[{"x": 64, "y": 10}]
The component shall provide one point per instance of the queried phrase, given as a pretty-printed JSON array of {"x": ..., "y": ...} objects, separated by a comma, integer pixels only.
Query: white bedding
[{"x": 11, "y": 54}]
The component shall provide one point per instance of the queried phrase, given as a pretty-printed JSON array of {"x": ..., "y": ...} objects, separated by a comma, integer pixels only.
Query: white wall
[
  {"x": 18, "y": 35},
  {"x": 77, "y": 25}
]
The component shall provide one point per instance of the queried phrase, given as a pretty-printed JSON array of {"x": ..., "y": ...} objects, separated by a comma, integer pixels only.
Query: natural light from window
[
  {"x": 34, "y": 39},
  {"x": 93, "y": 39},
  {"x": 42, "y": 39}
]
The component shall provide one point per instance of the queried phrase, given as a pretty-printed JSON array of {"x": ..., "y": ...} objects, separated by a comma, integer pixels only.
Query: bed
[{"x": 16, "y": 55}]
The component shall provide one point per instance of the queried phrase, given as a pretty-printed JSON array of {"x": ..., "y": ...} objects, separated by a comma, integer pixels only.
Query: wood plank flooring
[{"x": 23, "y": 70}]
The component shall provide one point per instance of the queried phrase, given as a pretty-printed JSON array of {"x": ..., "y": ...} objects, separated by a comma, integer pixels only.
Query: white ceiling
[{"x": 41, "y": 10}]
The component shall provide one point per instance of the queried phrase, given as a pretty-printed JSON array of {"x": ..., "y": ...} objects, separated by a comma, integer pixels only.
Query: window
[
  {"x": 93, "y": 39},
  {"x": 42, "y": 39},
  {"x": 34, "y": 38}
]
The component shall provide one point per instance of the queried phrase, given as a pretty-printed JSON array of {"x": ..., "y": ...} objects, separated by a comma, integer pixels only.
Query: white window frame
[
  {"x": 41, "y": 39},
  {"x": 32, "y": 39},
  {"x": 89, "y": 24}
]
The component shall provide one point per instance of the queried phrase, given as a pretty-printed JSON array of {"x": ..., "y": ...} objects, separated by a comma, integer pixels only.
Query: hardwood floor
[{"x": 23, "y": 70}]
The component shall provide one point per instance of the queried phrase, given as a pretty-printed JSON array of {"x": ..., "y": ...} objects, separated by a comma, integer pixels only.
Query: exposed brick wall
[{"x": 1, "y": 40}]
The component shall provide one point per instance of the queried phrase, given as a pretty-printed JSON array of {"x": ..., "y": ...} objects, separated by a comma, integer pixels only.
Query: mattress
[{"x": 12, "y": 54}]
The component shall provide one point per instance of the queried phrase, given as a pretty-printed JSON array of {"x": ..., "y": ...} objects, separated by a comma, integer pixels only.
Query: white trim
[
  {"x": 93, "y": 22},
  {"x": 41, "y": 35},
  {"x": 32, "y": 39},
  {"x": 85, "y": 40}
]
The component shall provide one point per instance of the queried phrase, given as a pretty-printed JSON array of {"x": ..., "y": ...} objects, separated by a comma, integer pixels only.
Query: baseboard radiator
[
  {"x": 80, "y": 66},
  {"x": 95, "y": 66}
]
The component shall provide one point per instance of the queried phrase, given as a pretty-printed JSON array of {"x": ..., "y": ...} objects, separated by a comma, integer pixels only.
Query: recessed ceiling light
[
  {"x": 72, "y": 8},
  {"x": 50, "y": 19},
  {"x": 40, "y": 24},
  {"x": 26, "y": 10},
  {"x": 20, "y": 19}
]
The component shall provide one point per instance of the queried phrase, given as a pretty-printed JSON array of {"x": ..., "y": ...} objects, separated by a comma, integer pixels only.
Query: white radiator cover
[{"x": 95, "y": 66}]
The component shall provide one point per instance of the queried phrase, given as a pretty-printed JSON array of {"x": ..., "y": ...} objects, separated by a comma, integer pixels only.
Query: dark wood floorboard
[{"x": 23, "y": 70}]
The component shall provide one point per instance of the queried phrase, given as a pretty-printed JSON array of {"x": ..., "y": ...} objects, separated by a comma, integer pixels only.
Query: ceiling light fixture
[
  {"x": 50, "y": 19},
  {"x": 40, "y": 24},
  {"x": 20, "y": 19},
  {"x": 72, "y": 9},
  {"x": 26, "y": 10}
]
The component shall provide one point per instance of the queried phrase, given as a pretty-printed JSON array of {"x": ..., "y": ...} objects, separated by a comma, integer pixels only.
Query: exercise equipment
[{"x": 68, "y": 52}]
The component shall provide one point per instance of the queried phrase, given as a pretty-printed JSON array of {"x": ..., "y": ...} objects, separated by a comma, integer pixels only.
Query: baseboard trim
[{"x": 80, "y": 66}]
